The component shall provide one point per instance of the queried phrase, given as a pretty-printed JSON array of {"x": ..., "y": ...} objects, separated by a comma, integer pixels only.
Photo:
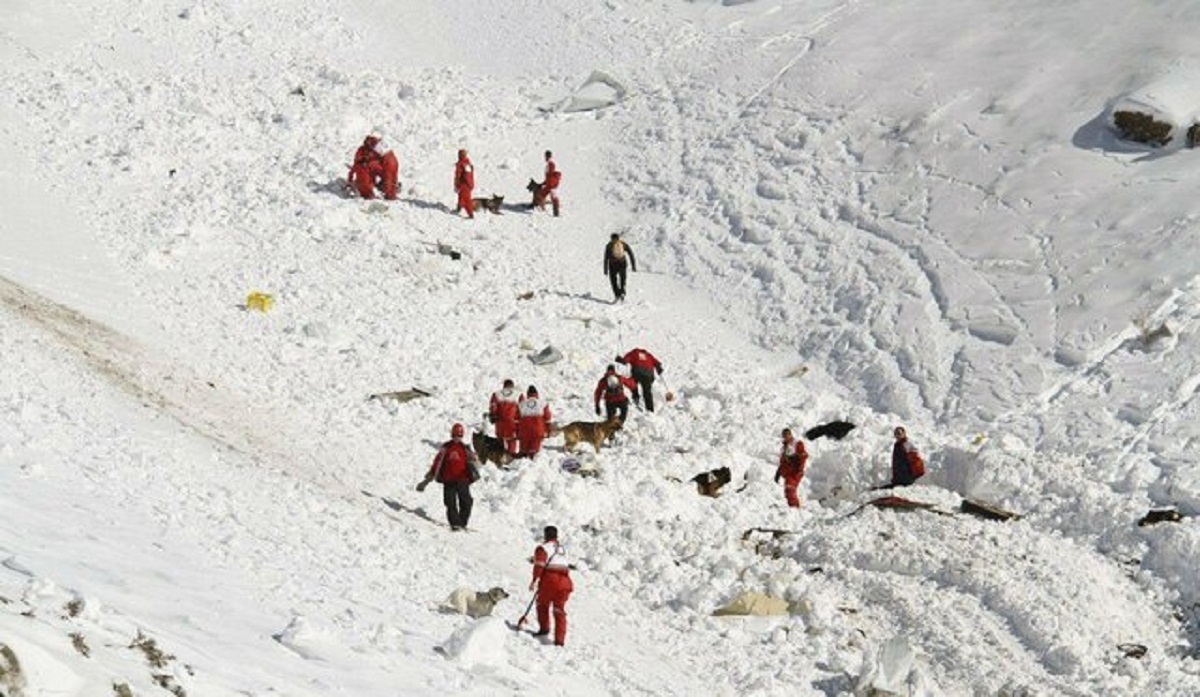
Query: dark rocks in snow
[
  {"x": 1160, "y": 515},
  {"x": 1142, "y": 128}
]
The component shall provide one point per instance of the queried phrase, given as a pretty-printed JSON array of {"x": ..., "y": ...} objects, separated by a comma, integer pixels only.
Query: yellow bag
[{"x": 259, "y": 301}]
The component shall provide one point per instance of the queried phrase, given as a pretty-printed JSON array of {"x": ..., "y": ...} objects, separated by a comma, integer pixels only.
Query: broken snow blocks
[
  {"x": 1161, "y": 515},
  {"x": 987, "y": 511}
]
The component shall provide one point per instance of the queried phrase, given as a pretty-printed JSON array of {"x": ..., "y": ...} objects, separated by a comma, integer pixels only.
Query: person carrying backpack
[
  {"x": 616, "y": 252},
  {"x": 548, "y": 191},
  {"x": 456, "y": 467},
  {"x": 792, "y": 461},
  {"x": 907, "y": 464},
  {"x": 612, "y": 387}
]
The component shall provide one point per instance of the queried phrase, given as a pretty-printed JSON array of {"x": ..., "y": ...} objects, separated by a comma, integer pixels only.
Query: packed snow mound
[
  {"x": 478, "y": 643},
  {"x": 1162, "y": 111},
  {"x": 600, "y": 90}
]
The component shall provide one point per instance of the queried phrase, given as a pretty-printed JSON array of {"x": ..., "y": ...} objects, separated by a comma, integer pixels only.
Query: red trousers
[
  {"x": 791, "y": 491},
  {"x": 507, "y": 432},
  {"x": 553, "y": 591},
  {"x": 465, "y": 203},
  {"x": 385, "y": 173}
]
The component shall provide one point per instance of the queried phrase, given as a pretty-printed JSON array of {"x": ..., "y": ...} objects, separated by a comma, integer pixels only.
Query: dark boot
[{"x": 555, "y": 206}]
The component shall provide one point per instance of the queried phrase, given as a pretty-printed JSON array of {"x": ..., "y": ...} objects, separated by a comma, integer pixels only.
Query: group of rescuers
[
  {"x": 376, "y": 169},
  {"x": 522, "y": 421}
]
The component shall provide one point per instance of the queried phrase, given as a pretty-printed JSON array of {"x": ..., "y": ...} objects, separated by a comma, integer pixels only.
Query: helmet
[
  {"x": 508, "y": 382},
  {"x": 550, "y": 532},
  {"x": 456, "y": 431},
  {"x": 532, "y": 391}
]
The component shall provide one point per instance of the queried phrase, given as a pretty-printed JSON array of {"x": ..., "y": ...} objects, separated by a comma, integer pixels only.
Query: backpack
[
  {"x": 916, "y": 465},
  {"x": 618, "y": 250}
]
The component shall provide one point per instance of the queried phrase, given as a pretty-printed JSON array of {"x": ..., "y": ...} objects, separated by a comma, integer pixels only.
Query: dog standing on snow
[{"x": 465, "y": 601}]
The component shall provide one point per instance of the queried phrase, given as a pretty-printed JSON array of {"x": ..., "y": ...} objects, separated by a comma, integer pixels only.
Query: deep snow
[{"x": 884, "y": 212}]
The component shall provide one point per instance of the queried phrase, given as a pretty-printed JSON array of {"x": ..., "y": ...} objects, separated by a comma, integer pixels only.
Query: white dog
[{"x": 473, "y": 604}]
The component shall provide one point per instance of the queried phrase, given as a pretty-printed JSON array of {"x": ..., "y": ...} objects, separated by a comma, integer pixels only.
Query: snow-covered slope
[{"x": 881, "y": 212}]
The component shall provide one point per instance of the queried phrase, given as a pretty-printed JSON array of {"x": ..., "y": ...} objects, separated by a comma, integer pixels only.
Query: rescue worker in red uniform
[
  {"x": 643, "y": 367},
  {"x": 533, "y": 423},
  {"x": 375, "y": 166},
  {"x": 503, "y": 413},
  {"x": 907, "y": 464},
  {"x": 792, "y": 461},
  {"x": 464, "y": 184},
  {"x": 552, "y": 578},
  {"x": 550, "y": 183},
  {"x": 612, "y": 387},
  {"x": 456, "y": 467}
]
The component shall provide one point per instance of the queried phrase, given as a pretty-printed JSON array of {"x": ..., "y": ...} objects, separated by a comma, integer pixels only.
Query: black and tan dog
[
  {"x": 490, "y": 449},
  {"x": 710, "y": 483},
  {"x": 539, "y": 199},
  {"x": 492, "y": 205},
  {"x": 594, "y": 432}
]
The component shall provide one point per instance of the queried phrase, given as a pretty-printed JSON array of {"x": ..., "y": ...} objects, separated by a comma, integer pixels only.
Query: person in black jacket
[{"x": 615, "y": 255}]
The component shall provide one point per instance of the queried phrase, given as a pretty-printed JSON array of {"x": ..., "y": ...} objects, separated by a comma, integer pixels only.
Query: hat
[
  {"x": 550, "y": 532},
  {"x": 375, "y": 134},
  {"x": 508, "y": 382},
  {"x": 611, "y": 368},
  {"x": 549, "y": 154},
  {"x": 532, "y": 391},
  {"x": 462, "y": 153},
  {"x": 787, "y": 433},
  {"x": 456, "y": 431},
  {"x": 615, "y": 236}
]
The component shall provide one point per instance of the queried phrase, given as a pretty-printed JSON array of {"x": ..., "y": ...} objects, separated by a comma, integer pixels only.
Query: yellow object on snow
[{"x": 259, "y": 301}]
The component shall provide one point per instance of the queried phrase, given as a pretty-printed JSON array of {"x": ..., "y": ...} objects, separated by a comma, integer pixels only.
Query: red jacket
[
  {"x": 535, "y": 418},
  {"x": 641, "y": 359},
  {"x": 551, "y": 566},
  {"x": 792, "y": 464},
  {"x": 553, "y": 176},
  {"x": 502, "y": 411},
  {"x": 454, "y": 463},
  {"x": 464, "y": 174},
  {"x": 614, "y": 395}
]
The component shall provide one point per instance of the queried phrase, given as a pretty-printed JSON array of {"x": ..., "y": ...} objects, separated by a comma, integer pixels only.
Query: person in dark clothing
[
  {"x": 456, "y": 467},
  {"x": 907, "y": 464},
  {"x": 642, "y": 367},
  {"x": 616, "y": 252}
]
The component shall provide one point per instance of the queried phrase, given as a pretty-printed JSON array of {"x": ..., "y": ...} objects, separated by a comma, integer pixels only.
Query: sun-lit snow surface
[{"x": 917, "y": 203}]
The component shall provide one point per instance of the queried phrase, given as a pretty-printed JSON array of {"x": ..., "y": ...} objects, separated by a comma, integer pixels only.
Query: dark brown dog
[
  {"x": 490, "y": 449},
  {"x": 492, "y": 204},
  {"x": 539, "y": 199},
  {"x": 594, "y": 432},
  {"x": 710, "y": 483}
]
